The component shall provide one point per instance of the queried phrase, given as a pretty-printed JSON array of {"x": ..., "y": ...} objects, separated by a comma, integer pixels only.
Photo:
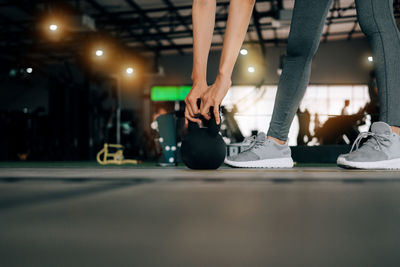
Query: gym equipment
[
  {"x": 203, "y": 147},
  {"x": 116, "y": 157},
  {"x": 166, "y": 127},
  {"x": 333, "y": 130}
]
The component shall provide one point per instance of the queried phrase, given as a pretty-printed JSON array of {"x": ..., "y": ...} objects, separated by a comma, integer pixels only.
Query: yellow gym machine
[{"x": 116, "y": 157}]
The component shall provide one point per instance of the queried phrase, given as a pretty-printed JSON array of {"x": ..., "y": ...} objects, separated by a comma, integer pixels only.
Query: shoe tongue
[
  {"x": 261, "y": 136},
  {"x": 381, "y": 128}
]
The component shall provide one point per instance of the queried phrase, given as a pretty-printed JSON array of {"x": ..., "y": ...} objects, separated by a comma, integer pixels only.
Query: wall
[
  {"x": 31, "y": 91},
  {"x": 337, "y": 62},
  {"x": 30, "y": 94}
]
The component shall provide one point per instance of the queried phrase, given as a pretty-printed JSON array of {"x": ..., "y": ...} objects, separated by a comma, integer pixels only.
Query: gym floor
[{"x": 82, "y": 214}]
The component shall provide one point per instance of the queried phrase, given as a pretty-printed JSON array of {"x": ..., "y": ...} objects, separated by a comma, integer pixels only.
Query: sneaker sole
[
  {"x": 265, "y": 163},
  {"x": 392, "y": 164}
]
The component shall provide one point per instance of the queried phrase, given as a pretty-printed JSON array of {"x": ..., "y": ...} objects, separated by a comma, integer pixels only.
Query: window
[{"x": 255, "y": 105}]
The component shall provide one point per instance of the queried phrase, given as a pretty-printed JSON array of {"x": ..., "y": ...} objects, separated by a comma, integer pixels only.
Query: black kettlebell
[{"x": 203, "y": 147}]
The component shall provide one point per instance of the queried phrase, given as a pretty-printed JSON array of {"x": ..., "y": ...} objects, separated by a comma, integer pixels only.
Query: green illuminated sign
[{"x": 169, "y": 93}]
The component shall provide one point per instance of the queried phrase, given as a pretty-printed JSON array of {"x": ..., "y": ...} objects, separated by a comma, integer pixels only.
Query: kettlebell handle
[{"x": 211, "y": 125}]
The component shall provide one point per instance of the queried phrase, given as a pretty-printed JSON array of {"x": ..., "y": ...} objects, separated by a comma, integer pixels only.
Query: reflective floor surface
[{"x": 77, "y": 215}]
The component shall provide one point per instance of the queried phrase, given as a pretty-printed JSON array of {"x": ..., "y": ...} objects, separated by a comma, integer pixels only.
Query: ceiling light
[
  {"x": 243, "y": 52},
  {"x": 53, "y": 27},
  {"x": 99, "y": 52},
  {"x": 251, "y": 69},
  {"x": 129, "y": 71}
]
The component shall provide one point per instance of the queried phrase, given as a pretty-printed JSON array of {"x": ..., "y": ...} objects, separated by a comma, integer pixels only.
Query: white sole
[
  {"x": 265, "y": 163},
  {"x": 391, "y": 164}
]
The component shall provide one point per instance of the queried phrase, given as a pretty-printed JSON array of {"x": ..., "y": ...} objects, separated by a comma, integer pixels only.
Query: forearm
[
  {"x": 238, "y": 21},
  {"x": 203, "y": 17}
]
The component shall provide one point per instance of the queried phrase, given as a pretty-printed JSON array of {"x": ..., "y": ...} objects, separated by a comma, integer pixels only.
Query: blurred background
[{"x": 77, "y": 74}]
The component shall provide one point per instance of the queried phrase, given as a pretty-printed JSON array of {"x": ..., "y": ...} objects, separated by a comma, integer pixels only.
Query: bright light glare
[
  {"x": 99, "y": 53},
  {"x": 129, "y": 71},
  {"x": 251, "y": 69},
  {"x": 53, "y": 27},
  {"x": 370, "y": 59},
  {"x": 243, "y": 52},
  {"x": 29, "y": 70}
]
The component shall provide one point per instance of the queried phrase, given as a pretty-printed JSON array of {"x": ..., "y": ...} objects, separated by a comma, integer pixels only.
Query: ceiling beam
[
  {"x": 143, "y": 14},
  {"x": 115, "y": 20},
  {"x": 164, "y": 9},
  {"x": 256, "y": 22},
  {"x": 173, "y": 9},
  {"x": 353, "y": 29}
]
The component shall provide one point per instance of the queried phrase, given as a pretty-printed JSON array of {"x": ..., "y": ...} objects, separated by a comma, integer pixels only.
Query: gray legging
[{"x": 377, "y": 22}]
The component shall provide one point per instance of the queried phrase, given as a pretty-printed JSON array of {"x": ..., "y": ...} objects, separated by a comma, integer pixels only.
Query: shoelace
[
  {"x": 249, "y": 139},
  {"x": 259, "y": 143},
  {"x": 379, "y": 138}
]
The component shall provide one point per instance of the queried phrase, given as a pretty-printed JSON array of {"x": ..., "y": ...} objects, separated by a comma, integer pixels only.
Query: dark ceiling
[{"x": 153, "y": 26}]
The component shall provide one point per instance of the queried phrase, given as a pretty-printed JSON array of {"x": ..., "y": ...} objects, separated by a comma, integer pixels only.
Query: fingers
[
  {"x": 198, "y": 121},
  {"x": 205, "y": 110},
  {"x": 193, "y": 106},
  {"x": 188, "y": 117},
  {"x": 189, "y": 111},
  {"x": 216, "y": 115}
]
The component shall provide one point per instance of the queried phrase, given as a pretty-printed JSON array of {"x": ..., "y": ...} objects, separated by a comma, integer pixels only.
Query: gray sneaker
[
  {"x": 264, "y": 153},
  {"x": 380, "y": 151},
  {"x": 247, "y": 143},
  {"x": 236, "y": 148}
]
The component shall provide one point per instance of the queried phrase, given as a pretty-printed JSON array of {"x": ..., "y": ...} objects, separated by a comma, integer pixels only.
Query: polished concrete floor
[{"x": 72, "y": 215}]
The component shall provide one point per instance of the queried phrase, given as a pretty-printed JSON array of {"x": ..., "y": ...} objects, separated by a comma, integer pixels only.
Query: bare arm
[
  {"x": 238, "y": 21},
  {"x": 203, "y": 16}
]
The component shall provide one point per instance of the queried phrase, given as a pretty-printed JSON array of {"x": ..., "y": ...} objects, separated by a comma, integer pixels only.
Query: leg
[
  {"x": 377, "y": 22},
  {"x": 382, "y": 149},
  {"x": 305, "y": 33}
]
